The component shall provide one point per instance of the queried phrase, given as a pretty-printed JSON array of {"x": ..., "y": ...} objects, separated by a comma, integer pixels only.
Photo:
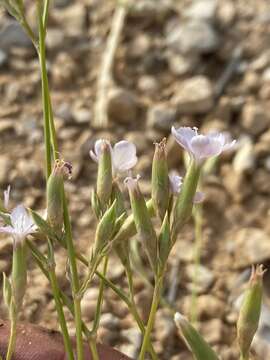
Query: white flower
[
  {"x": 176, "y": 182},
  {"x": 21, "y": 224},
  {"x": 201, "y": 147},
  {"x": 123, "y": 154}
]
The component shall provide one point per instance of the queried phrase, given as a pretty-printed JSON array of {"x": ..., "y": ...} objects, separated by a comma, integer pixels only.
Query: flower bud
[
  {"x": 105, "y": 229},
  {"x": 160, "y": 180},
  {"x": 164, "y": 241},
  {"x": 55, "y": 194},
  {"x": 195, "y": 342},
  {"x": 142, "y": 221},
  {"x": 104, "y": 177},
  {"x": 19, "y": 274},
  {"x": 250, "y": 311},
  {"x": 184, "y": 202}
]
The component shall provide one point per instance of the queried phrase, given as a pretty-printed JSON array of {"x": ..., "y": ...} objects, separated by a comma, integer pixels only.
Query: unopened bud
[
  {"x": 19, "y": 274},
  {"x": 105, "y": 229},
  {"x": 104, "y": 177},
  {"x": 142, "y": 221},
  {"x": 250, "y": 311},
  {"x": 195, "y": 342},
  {"x": 160, "y": 180},
  {"x": 55, "y": 194},
  {"x": 184, "y": 202}
]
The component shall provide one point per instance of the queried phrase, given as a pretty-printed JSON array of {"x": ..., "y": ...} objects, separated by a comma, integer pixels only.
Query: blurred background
[{"x": 203, "y": 63}]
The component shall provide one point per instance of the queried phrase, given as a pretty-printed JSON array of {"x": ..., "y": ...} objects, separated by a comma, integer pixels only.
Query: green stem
[
  {"x": 134, "y": 311},
  {"x": 197, "y": 261},
  {"x": 41, "y": 261},
  {"x": 74, "y": 280},
  {"x": 151, "y": 319},
  {"x": 100, "y": 298},
  {"x": 93, "y": 348},
  {"x": 60, "y": 312},
  {"x": 12, "y": 337},
  {"x": 45, "y": 95}
]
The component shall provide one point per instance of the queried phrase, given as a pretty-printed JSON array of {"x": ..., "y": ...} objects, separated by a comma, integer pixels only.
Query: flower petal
[
  {"x": 199, "y": 197},
  {"x": 124, "y": 156},
  {"x": 184, "y": 135},
  {"x": 95, "y": 155},
  {"x": 7, "y": 229},
  {"x": 21, "y": 221},
  {"x": 203, "y": 146},
  {"x": 175, "y": 182}
]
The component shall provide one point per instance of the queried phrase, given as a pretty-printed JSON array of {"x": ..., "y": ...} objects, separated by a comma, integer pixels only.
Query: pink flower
[
  {"x": 21, "y": 224},
  {"x": 123, "y": 154},
  {"x": 201, "y": 147},
  {"x": 176, "y": 182}
]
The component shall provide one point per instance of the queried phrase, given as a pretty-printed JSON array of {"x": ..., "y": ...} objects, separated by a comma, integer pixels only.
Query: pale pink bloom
[
  {"x": 176, "y": 182},
  {"x": 21, "y": 224},
  {"x": 123, "y": 154},
  {"x": 201, "y": 147}
]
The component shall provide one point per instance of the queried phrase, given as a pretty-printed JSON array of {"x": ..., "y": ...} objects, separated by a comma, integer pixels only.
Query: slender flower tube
[
  {"x": 250, "y": 311},
  {"x": 160, "y": 180},
  {"x": 123, "y": 155},
  {"x": 201, "y": 147},
  {"x": 184, "y": 202},
  {"x": 195, "y": 342},
  {"x": 142, "y": 221}
]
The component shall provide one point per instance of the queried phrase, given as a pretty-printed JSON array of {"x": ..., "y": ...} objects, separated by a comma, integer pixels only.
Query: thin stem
[
  {"x": 197, "y": 261},
  {"x": 93, "y": 348},
  {"x": 45, "y": 13},
  {"x": 151, "y": 319},
  {"x": 12, "y": 337},
  {"x": 60, "y": 312},
  {"x": 45, "y": 98},
  {"x": 41, "y": 260},
  {"x": 100, "y": 299},
  {"x": 74, "y": 280}
]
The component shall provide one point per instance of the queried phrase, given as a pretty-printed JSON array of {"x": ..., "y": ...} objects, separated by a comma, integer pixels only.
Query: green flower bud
[
  {"x": 250, "y": 311},
  {"x": 104, "y": 177},
  {"x": 55, "y": 194},
  {"x": 142, "y": 221},
  {"x": 19, "y": 274},
  {"x": 195, "y": 342},
  {"x": 164, "y": 241},
  {"x": 105, "y": 229},
  {"x": 160, "y": 180},
  {"x": 184, "y": 202}
]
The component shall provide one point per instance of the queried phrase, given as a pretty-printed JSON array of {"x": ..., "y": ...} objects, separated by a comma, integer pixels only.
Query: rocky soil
[{"x": 204, "y": 63}]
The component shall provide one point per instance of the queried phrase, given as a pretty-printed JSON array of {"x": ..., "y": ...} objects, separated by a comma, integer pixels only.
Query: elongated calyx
[
  {"x": 142, "y": 221},
  {"x": 185, "y": 199},
  {"x": 160, "y": 180},
  {"x": 55, "y": 194},
  {"x": 104, "y": 177},
  {"x": 195, "y": 342},
  {"x": 250, "y": 311}
]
